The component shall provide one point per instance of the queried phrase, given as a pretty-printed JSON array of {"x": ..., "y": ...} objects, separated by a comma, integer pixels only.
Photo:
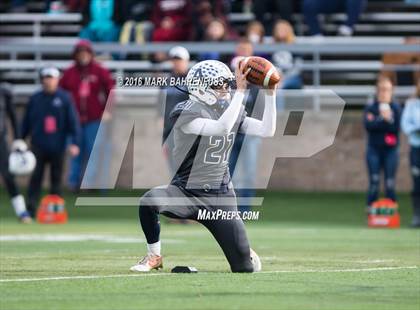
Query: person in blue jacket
[
  {"x": 50, "y": 120},
  {"x": 382, "y": 122},
  {"x": 410, "y": 124}
]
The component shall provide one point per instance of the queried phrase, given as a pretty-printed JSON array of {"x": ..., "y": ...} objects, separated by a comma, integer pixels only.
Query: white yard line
[
  {"x": 79, "y": 237},
  {"x": 86, "y": 277},
  {"x": 341, "y": 270},
  {"x": 170, "y": 274}
]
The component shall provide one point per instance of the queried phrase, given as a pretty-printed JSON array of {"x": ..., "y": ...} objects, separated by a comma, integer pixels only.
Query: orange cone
[
  {"x": 52, "y": 210},
  {"x": 384, "y": 213}
]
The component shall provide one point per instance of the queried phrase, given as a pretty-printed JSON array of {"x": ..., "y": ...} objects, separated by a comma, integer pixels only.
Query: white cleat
[{"x": 148, "y": 263}]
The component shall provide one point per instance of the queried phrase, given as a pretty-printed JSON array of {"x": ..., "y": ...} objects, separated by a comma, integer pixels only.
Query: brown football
[{"x": 263, "y": 73}]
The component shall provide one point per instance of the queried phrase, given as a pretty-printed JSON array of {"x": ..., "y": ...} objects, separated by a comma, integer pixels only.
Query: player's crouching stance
[{"x": 204, "y": 129}]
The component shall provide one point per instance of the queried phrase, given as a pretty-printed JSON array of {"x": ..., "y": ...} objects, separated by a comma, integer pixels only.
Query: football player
[
  {"x": 204, "y": 129},
  {"x": 7, "y": 111}
]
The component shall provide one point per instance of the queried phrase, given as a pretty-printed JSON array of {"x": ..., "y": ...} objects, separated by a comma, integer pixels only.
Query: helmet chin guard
[{"x": 203, "y": 77}]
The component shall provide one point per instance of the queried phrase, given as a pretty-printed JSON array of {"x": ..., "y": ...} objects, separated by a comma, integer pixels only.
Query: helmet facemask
[{"x": 223, "y": 89}]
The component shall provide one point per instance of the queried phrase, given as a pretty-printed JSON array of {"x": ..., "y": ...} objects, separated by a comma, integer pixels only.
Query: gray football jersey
[{"x": 202, "y": 162}]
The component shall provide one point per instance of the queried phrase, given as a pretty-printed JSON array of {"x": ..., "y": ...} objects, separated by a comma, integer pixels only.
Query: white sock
[
  {"x": 154, "y": 248},
  {"x": 18, "y": 203}
]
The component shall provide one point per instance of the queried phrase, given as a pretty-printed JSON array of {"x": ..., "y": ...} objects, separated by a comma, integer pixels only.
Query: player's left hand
[{"x": 273, "y": 88}]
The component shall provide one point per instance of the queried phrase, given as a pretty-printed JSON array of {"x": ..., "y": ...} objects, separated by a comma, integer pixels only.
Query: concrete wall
[{"x": 341, "y": 167}]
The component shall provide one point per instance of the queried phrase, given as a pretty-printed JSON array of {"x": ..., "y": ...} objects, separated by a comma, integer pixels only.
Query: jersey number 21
[{"x": 219, "y": 149}]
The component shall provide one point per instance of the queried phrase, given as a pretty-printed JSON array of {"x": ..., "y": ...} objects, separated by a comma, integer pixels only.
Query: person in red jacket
[
  {"x": 90, "y": 84},
  {"x": 172, "y": 20}
]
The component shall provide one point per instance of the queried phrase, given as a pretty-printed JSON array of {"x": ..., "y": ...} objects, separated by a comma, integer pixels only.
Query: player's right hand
[{"x": 240, "y": 75}]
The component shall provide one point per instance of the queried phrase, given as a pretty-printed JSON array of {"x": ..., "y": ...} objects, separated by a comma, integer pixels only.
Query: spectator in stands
[
  {"x": 244, "y": 168},
  {"x": 50, "y": 119},
  {"x": 74, "y": 5},
  {"x": 382, "y": 122},
  {"x": 180, "y": 59},
  {"x": 7, "y": 111},
  {"x": 215, "y": 32},
  {"x": 172, "y": 20},
  {"x": 255, "y": 32},
  {"x": 204, "y": 12},
  {"x": 102, "y": 20},
  {"x": 137, "y": 27},
  {"x": 411, "y": 126},
  {"x": 18, "y": 6},
  {"x": 55, "y": 7},
  {"x": 312, "y": 8},
  {"x": 90, "y": 84},
  {"x": 268, "y": 11},
  {"x": 283, "y": 33},
  {"x": 244, "y": 48},
  {"x": 403, "y": 77}
]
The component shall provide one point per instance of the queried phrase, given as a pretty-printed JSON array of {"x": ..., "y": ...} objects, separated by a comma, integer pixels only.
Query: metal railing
[
  {"x": 37, "y": 19},
  {"x": 316, "y": 48}
]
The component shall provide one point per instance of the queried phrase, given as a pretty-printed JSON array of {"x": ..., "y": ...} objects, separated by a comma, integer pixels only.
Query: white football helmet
[
  {"x": 206, "y": 76},
  {"x": 21, "y": 162}
]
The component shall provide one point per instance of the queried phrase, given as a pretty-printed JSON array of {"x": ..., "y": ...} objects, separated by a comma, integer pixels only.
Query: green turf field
[{"x": 315, "y": 248}]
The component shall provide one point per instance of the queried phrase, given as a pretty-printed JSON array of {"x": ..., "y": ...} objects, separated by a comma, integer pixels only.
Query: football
[{"x": 263, "y": 72}]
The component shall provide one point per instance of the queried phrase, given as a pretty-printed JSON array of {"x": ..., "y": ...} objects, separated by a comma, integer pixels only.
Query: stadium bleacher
[
  {"x": 37, "y": 24},
  {"x": 349, "y": 66}
]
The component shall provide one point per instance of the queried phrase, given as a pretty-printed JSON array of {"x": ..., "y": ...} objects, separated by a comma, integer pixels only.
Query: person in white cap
[
  {"x": 50, "y": 119},
  {"x": 180, "y": 59}
]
